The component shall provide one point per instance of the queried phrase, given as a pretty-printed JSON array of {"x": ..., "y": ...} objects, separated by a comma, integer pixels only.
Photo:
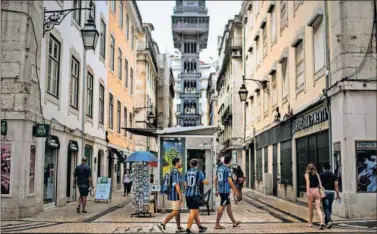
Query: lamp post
[{"x": 89, "y": 34}]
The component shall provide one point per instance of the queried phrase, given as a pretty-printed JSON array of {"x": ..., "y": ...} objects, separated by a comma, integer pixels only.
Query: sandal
[
  {"x": 219, "y": 227},
  {"x": 310, "y": 225},
  {"x": 78, "y": 209},
  {"x": 237, "y": 223}
]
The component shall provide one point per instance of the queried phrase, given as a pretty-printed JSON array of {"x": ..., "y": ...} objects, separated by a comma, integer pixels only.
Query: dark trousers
[
  {"x": 327, "y": 205},
  {"x": 127, "y": 188}
]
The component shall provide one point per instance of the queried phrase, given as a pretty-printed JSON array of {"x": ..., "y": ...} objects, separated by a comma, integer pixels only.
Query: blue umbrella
[{"x": 141, "y": 156}]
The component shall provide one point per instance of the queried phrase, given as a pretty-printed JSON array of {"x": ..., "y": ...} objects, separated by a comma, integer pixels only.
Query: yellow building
[{"x": 124, "y": 23}]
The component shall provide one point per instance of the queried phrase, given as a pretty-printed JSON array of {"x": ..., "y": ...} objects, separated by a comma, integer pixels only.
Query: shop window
[
  {"x": 265, "y": 156},
  {"x": 286, "y": 162},
  {"x": 259, "y": 171}
]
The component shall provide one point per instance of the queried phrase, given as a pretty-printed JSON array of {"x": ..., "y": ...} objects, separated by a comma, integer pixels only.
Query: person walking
[
  {"x": 193, "y": 179},
  {"x": 330, "y": 184},
  {"x": 313, "y": 185},
  {"x": 223, "y": 182},
  {"x": 127, "y": 183},
  {"x": 239, "y": 181},
  {"x": 83, "y": 179},
  {"x": 175, "y": 196}
]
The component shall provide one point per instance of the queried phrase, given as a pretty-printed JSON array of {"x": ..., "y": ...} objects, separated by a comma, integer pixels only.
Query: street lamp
[
  {"x": 243, "y": 93},
  {"x": 150, "y": 117},
  {"x": 90, "y": 34}
]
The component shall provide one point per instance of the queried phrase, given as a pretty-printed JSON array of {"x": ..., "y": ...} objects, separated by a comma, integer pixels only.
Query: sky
[{"x": 159, "y": 14}]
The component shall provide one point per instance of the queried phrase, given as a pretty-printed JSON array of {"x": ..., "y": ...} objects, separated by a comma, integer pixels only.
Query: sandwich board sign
[{"x": 103, "y": 190}]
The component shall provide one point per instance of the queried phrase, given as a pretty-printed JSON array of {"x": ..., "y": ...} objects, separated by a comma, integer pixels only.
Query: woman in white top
[{"x": 127, "y": 183}]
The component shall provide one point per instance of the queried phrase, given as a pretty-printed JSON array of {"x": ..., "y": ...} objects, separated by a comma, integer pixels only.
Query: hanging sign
[
  {"x": 53, "y": 142},
  {"x": 103, "y": 188},
  {"x": 4, "y": 127},
  {"x": 41, "y": 130},
  {"x": 73, "y": 146}
]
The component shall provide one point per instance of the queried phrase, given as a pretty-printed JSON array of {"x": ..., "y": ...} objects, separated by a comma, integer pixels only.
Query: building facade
[
  {"x": 229, "y": 80},
  {"x": 190, "y": 25},
  {"x": 145, "y": 99},
  {"x": 301, "y": 55},
  {"x": 124, "y": 25}
]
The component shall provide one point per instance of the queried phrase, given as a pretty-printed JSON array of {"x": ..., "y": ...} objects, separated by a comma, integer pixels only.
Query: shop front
[
  {"x": 52, "y": 146},
  {"x": 73, "y": 149}
]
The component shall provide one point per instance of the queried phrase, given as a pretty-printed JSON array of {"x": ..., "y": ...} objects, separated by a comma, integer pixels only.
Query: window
[
  {"x": 101, "y": 106},
  {"x": 120, "y": 67},
  {"x": 126, "y": 73},
  {"x": 112, "y": 52},
  {"x": 274, "y": 93},
  {"x": 258, "y": 105},
  {"x": 93, "y": 12},
  {"x": 74, "y": 99},
  {"x": 130, "y": 124},
  {"x": 256, "y": 8},
  {"x": 118, "y": 116},
  {"x": 319, "y": 45},
  {"x": 296, "y": 3},
  {"x": 103, "y": 40},
  {"x": 273, "y": 26},
  {"x": 113, "y": 6},
  {"x": 77, "y": 14},
  {"x": 264, "y": 40},
  {"x": 89, "y": 95},
  {"x": 127, "y": 27},
  {"x": 265, "y": 102},
  {"x": 284, "y": 74},
  {"x": 258, "y": 51},
  {"x": 111, "y": 111},
  {"x": 283, "y": 14},
  {"x": 132, "y": 37},
  {"x": 132, "y": 81},
  {"x": 300, "y": 65},
  {"x": 251, "y": 114},
  {"x": 125, "y": 120},
  {"x": 53, "y": 66},
  {"x": 120, "y": 18}
]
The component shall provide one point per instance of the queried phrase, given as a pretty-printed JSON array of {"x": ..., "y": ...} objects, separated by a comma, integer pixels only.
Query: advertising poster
[
  {"x": 103, "y": 190},
  {"x": 171, "y": 148},
  {"x": 6, "y": 153},
  {"x": 366, "y": 155},
  {"x": 32, "y": 169}
]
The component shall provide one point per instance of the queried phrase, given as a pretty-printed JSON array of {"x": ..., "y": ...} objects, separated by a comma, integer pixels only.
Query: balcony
[
  {"x": 236, "y": 42},
  {"x": 188, "y": 76},
  {"x": 186, "y": 9},
  {"x": 189, "y": 95},
  {"x": 189, "y": 116}
]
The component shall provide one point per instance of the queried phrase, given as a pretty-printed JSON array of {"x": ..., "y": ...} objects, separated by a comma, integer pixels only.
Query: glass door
[{"x": 49, "y": 191}]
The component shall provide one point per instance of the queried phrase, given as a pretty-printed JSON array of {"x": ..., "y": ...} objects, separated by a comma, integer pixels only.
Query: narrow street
[{"x": 258, "y": 214}]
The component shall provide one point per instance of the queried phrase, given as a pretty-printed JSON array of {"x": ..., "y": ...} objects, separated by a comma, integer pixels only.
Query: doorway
[
  {"x": 275, "y": 170},
  {"x": 252, "y": 167},
  {"x": 71, "y": 166},
  {"x": 50, "y": 172},
  {"x": 200, "y": 156},
  {"x": 99, "y": 164},
  {"x": 247, "y": 154}
]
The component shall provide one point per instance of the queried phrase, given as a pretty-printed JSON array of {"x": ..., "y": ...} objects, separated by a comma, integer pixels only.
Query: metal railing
[{"x": 187, "y": 26}]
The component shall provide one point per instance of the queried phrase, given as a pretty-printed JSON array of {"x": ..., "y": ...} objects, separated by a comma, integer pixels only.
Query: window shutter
[
  {"x": 286, "y": 162},
  {"x": 265, "y": 159},
  {"x": 259, "y": 165}
]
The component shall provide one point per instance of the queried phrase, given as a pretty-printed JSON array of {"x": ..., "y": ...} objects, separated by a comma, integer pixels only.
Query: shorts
[
  {"x": 83, "y": 190},
  {"x": 224, "y": 199},
  {"x": 176, "y": 205},
  {"x": 193, "y": 202},
  {"x": 313, "y": 193}
]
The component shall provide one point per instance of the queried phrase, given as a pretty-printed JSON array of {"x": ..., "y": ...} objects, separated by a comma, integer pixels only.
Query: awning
[
  {"x": 151, "y": 132},
  {"x": 52, "y": 142},
  {"x": 73, "y": 146},
  {"x": 117, "y": 153}
]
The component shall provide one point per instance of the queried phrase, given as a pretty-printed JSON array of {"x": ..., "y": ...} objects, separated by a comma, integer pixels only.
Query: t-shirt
[
  {"x": 328, "y": 180},
  {"x": 83, "y": 172},
  {"x": 193, "y": 178},
  {"x": 223, "y": 173},
  {"x": 174, "y": 179}
]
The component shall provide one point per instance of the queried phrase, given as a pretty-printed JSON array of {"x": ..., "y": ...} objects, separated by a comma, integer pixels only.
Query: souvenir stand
[{"x": 140, "y": 185}]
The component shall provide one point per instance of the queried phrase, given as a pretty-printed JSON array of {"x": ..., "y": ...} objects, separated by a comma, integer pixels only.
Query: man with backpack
[
  {"x": 223, "y": 182},
  {"x": 174, "y": 195},
  {"x": 193, "y": 180}
]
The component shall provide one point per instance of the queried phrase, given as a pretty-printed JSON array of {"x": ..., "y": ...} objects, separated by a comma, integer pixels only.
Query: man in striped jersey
[
  {"x": 223, "y": 182},
  {"x": 175, "y": 196},
  {"x": 193, "y": 178}
]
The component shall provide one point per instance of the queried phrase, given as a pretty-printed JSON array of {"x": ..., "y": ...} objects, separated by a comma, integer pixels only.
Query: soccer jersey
[
  {"x": 223, "y": 173},
  {"x": 174, "y": 179},
  {"x": 193, "y": 178}
]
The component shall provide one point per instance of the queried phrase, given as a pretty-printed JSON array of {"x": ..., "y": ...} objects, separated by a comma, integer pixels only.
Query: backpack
[
  {"x": 166, "y": 184},
  {"x": 241, "y": 180}
]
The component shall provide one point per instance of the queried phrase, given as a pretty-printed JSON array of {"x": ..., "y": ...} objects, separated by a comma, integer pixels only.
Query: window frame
[
  {"x": 120, "y": 16},
  {"x": 103, "y": 40},
  {"x": 112, "y": 53},
  {"x": 132, "y": 37},
  {"x": 77, "y": 78},
  {"x": 89, "y": 94},
  {"x": 77, "y": 13},
  {"x": 283, "y": 21},
  {"x": 113, "y": 6},
  {"x": 119, "y": 113},
  {"x": 127, "y": 26},
  {"x": 111, "y": 111},
  {"x": 317, "y": 24},
  {"x": 131, "y": 81},
  {"x": 126, "y": 73},
  {"x": 130, "y": 121},
  {"x": 54, "y": 60},
  {"x": 273, "y": 26},
  {"x": 101, "y": 104},
  {"x": 125, "y": 119},
  {"x": 299, "y": 86},
  {"x": 285, "y": 78},
  {"x": 120, "y": 66}
]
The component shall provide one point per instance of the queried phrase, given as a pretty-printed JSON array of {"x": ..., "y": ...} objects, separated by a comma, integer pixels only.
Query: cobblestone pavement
[{"x": 258, "y": 214}]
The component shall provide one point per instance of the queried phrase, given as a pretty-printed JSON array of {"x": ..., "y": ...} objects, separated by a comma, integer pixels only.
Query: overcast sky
[{"x": 159, "y": 14}]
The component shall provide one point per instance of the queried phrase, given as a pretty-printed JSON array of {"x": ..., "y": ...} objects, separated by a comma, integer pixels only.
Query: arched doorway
[{"x": 99, "y": 164}]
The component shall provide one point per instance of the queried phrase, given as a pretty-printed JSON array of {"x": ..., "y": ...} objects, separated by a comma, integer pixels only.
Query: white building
[
  {"x": 65, "y": 97},
  {"x": 205, "y": 69}
]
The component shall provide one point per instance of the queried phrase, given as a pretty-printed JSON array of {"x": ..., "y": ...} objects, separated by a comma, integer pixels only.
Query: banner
[
  {"x": 366, "y": 156},
  {"x": 171, "y": 148},
  {"x": 103, "y": 188},
  {"x": 6, "y": 153},
  {"x": 32, "y": 169}
]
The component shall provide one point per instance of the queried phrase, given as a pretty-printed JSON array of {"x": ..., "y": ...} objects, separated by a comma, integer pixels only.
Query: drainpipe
[
  {"x": 328, "y": 77},
  {"x": 83, "y": 107}
]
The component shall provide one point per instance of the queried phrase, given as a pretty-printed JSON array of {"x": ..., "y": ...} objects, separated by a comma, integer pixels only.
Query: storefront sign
[
  {"x": 32, "y": 169},
  {"x": 318, "y": 116},
  {"x": 41, "y": 130},
  {"x": 53, "y": 142},
  {"x": 4, "y": 127},
  {"x": 366, "y": 166},
  {"x": 6, "y": 154},
  {"x": 170, "y": 149},
  {"x": 103, "y": 188},
  {"x": 73, "y": 146}
]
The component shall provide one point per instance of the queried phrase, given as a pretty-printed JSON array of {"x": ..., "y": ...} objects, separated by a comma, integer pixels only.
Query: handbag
[{"x": 320, "y": 188}]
